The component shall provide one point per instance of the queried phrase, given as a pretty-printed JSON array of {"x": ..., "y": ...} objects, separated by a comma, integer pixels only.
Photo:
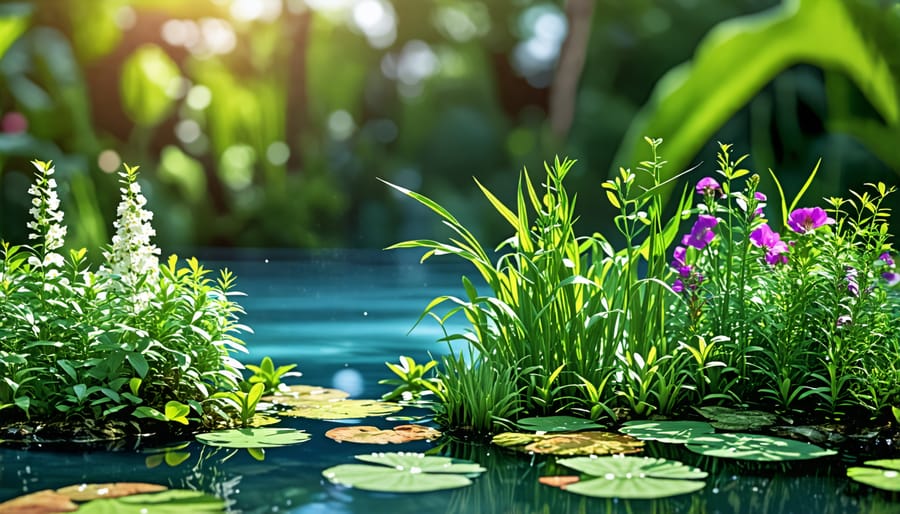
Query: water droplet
[
  {"x": 414, "y": 470},
  {"x": 609, "y": 476}
]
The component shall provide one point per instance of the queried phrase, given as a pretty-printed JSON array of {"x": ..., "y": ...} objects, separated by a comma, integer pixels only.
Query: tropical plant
[
  {"x": 411, "y": 381},
  {"x": 270, "y": 376},
  {"x": 133, "y": 338}
]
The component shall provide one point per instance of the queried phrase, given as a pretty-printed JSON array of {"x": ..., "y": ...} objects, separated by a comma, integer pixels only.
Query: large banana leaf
[{"x": 740, "y": 56}]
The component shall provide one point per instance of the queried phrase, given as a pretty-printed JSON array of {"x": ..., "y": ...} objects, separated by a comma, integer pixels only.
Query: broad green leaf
[
  {"x": 14, "y": 19},
  {"x": 341, "y": 409},
  {"x": 372, "y": 435},
  {"x": 577, "y": 443},
  {"x": 149, "y": 77},
  {"x": 556, "y": 424},
  {"x": 726, "y": 418},
  {"x": 884, "y": 474},
  {"x": 755, "y": 447},
  {"x": 176, "y": 501},
  {"x": 634, "y": 478},
  {"x": 254, "y": 437},
  {"x": 177, "y": 411},
  {"x": 404, "y": 473},
  {"x": 139, "y": 363},
  {"x": 676, "y": 432},
  {"x": 695, "y": 99}
]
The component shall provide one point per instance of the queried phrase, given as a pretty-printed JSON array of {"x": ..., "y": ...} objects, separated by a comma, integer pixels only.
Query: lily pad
[
  {"x": 725, "y": 418},
  {"x": 884, "y": 474},
  {"x": 556, "y": 424},
  {"x": 755, "y": 447},
  {"x": 293, "y": 395},
  {"x": 638, "y": 478},
  {"x": 262, "y": 420},
  {"x": 578, "y": 443},
  {"x": 86, "y": 492},
  {"x": 176, "y": 501},
  {"x": 254, "y": 437},
  {"x": 341, "y": 409},
  {"x": 404, "y": 473},
  {"x": 559, "y": 481},
  {"x": 40, "y": 502},
  {"x": 372, "y": 435},
  {"x": 674, "y": 432}
]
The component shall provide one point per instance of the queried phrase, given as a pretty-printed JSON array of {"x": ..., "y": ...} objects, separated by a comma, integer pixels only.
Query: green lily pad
[
  {"x": 577, "y": 443},
  {"x": 341, "y": 409},
  {"x": 176, "y": 501},
  {"x": 253, "y": 437},
  {"x": 674, "y": 432},
  {"x": 755, "y": 447},
  {"x": 404, "y": 473},
  {"x": 725, "y": 418},
  {"x": 295, "y": 394},
  {"x": 637, "y": 478},
  {"x": 885, "y": 474},
  {"x": 556, "y": 424}
]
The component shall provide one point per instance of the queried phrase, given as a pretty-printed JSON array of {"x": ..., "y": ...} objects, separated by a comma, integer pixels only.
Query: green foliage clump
[
  {"x": 737, "y": 316},
  {"x": 132, "y": 338}
]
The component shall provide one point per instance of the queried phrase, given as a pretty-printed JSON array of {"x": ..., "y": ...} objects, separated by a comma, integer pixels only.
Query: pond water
[{"x": 340, "y": 316}]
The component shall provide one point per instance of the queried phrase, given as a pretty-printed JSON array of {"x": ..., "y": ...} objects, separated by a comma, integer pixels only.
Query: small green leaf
[{"x": 177, "y": 411}]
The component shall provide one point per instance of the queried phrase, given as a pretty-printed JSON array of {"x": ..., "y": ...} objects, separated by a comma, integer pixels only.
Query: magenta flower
[
  {"x": 761, "y": 198},
  {"x": 808, "y": 219},
  {"x": 764, "y": 237},
  {"x": 679, "y": 262},
  {"x": 708, "y": 185},
  {"x": 701, "y": 233},
  {"x": 678, "y": 286}
]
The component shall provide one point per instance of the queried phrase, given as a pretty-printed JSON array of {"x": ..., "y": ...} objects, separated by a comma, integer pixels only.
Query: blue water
[{"x": 340, "y": 316}]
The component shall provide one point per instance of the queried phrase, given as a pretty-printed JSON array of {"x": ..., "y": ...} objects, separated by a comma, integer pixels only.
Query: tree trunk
[{"x": 564, "y": 88}]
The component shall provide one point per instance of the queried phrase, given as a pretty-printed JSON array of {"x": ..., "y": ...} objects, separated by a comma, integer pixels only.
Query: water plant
[
  {"x": 728, "y": 312},
  {"x": 134, "y": 338}
]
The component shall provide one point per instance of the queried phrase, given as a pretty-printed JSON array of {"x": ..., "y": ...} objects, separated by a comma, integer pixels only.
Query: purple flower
[
  {"x": 708, "y": 185},
  {"x": 887, "y": 259},
  {"x": 678, "y": 286},
  {"x": 891, "y": 278},
  {"x": 701, "y": 233},
  {"x": 679, "y": 262},
  {"x": 764, "y": 237},
  {"x": 808, "y": 219},
  {"x": 760, "y": 197},
  {"x": 844, "y": 320},
  {"x": 852, "y": 284}
]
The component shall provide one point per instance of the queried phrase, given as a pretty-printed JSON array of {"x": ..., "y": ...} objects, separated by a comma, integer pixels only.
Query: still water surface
[{"x": 340, "y": 316}]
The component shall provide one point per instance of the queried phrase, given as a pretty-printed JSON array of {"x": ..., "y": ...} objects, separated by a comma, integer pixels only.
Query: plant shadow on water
[{"x": 340, "y": 316}]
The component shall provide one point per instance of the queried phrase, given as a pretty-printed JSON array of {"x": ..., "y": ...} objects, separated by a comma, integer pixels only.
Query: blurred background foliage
[{"x": 266, "y": 122}]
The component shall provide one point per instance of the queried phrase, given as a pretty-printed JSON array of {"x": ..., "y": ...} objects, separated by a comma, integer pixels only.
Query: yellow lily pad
[
  {"x": 298, "y": 394},
  {"x": 579, "y": 443},
  {"x": 341, "y": 409},
  {"x": 372, "y": 435}
]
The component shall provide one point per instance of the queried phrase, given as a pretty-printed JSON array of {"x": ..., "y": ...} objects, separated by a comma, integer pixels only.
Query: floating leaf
[
  {"x": 176, "y": 501},
  {"x": 725, "y": 418},
  {"x": 559, "y": 481},
  {"x": 755, "y": 447},
  {"x": 556, "y": 424},
  {"x": 887, "y": 478},
  {"x": 254, "y": 437},
  {"x": 675, "y": 432},
  {"x": 640, "y": 478},
  {"x": 579, "y": 443},
  {"x": 303, "y": 393},
  {"x": 261, "y": 420},
  {"x": 85, "y": 492},
  {"x": 341, "y": 409},
  {"x": 373, "y": 435},
  {"x": 403, "y": 473},
  {"x": 41, "y": 502}
]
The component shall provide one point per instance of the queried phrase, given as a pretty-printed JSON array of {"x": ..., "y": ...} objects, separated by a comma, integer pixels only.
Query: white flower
[{"x": 46, "y": 226}]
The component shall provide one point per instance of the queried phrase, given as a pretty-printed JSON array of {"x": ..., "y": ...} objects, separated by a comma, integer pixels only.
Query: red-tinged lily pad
[
  {"x": 674, "y": 432},
  {"x": 372, "y": 435},
  {"x": 755, "y": 447},
  {"x": 293, "y": 395},
  {"x": 578, "y": 443},
  {"x": 87, "y": 492},
  {"x": 884, "y": 474},
  {"x": 560, "y": 481},
  {"x": 41, "y": 502},
  {"x": 341, "y": 409}
]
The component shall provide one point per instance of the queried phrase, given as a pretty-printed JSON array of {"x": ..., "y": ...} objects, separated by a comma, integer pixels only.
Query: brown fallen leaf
[
  {"x": 41, "y": 502},
  {"x": 560, "y": 481},
  {"x": 87, "y": 492},
  {"x": 365, "y": 434}
]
